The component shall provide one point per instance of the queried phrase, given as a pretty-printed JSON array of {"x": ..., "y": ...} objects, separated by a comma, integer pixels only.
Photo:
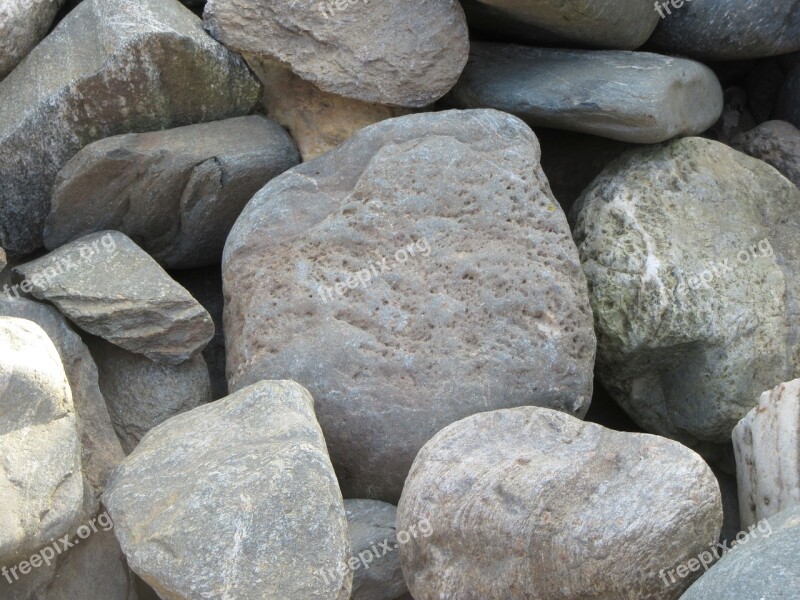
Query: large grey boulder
[
  {"x": 235, "y": 499},
  {"x": 110, "y": 67},
  {"x": 418, "y": 273},
  {"x": 628, "y": 96},
  {"x": 776, "y": 143},
  {"x": 23, "y": 24},
  {"x": 690, "y": 250},
  {"x": 111, "y": 288},
  {"x": 176, "y": 193},
  {"x": 533, "y": 503},
  {"x": 41, "y": 484},
  {"x": 396, "y": 52}
]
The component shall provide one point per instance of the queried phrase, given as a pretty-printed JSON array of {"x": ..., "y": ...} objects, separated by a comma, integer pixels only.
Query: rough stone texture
[
  {"x": 764, "y": 567},
  {"x": 41, "y": 485},
  {"x": 628, "y": 96},
  {"x": 317, "y": 120},
  {"x": 379, "y": 576},
  {"x": 534, "y": 503},
  {"x": 767, "y": 446},
  {"x": 200, "y": 518},
  {"x": 624, "y": 24},
  {"x": 486, "y": 310},
  {"x": 141, "y": 394},
  {"x": 729, "y": 29},
  {"x": 176, "y": 193},
  {"x": 23, "y": 24},
  {"x": 687, "y": 357},
  {"x": 110, "y": 67},
  {"x": 788, "y": 108},
  {"x": 396, "y": 52},
  {"x": 776, "y": 143},
  {"x": 3, "y": 262},
  {"x": 111, "y": 288}
]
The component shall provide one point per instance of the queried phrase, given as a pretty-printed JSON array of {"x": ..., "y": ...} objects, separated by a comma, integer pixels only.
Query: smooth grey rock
[
  {"x": 373, "y": 539},
  {"x": 23, "y": 24},
  {"x": 534, "y": 503},
  {"x": 141, "y": 394},
  {"x": 690, "y": 250},
  {"x": 110, "y": 67},
  {"x": 396, "y": 52},
  {"x": 472, "y": 293},
  {"x": 729, "y": 29},
  {"x": 176, "y": 193},
  {"x": 776, "y": 143},
  {"x": 111, "y": 288},
  {"x": 628, "y": 96},
  {"x": 41, "y": 487},
  {"x": 765, "y": 565},
  {"x": 788, "y": 108},
  {"x": 235, "y": 499}
]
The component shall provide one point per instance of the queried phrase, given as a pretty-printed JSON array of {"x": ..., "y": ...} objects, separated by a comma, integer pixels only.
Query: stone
[
  {"x": 401, "y": 52},
  {"x": 764, "y": 565},
  {"x": 534, "y": 503},
  {"x": 41, "y": 486},
  {"x": 788, "y": 107},
  {"x": 147, "y": 65},
  {"x": 423, "y": 273},
  {"x": 776, "y": 143},
  {"x": 621, "y": 24},
  {"x": 239, "y": 494},
  {"x": 141, "y": 394},
  {"x": 628, "y": 96},
  {"x": 373, "y": 538},
  {"x": 722, "y": 30},
  {"x": 176, "y": 193},
  {"x": 691, "y": 257},
  {"x": 767, "y": 446},
  {"x": 3, "y": 260},
  {"x": 145, "y": 311},
  {"x": 23, "y": 24}
]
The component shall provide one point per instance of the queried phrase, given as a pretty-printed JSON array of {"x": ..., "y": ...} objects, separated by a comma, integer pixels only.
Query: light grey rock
[
  {"x": 628, "y": 96},
  {"x": 23, "y": 24},
  {"x": 111, "y": 288},
  {"x": 788, "y": 108},
  {"x": 693, "y": 267},
  {"x": 396, "y": 52},
  {"x": 767, "y": 446},
  {"x": 110, "y": 67},
  {"x": 235, "y": 499},
  {"x": 764, "y": 565},
  {"x": 729, "y": 29},
  {"x": 533, "y": 503},
  {"x": 776, "y": 143},
  {"x": 141, "y": 394},
  {"x": 471, "y": 294},
  {"x": 373, "y": 539},
  {"x": 176, "y": 193},
  {"x": 41, "y": 487}
]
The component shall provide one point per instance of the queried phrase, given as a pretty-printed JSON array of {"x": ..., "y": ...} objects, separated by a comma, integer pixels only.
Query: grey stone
[
  {"x": 235, "y": 499},
  {"x": 533, "y": 503},
  {"x": 628, "y": 96},
  {"x": 788, "y": 108},
  {"x": 373, "y": 539},
  {"x": 23, "y": 24},
  {"x": 176, "y": 193},
  {"x": 729, "y": 29},
  {"x": 765, "y": 565},
  {"x": 396, "y": 52},
  {"x": 111, "y": 288},
  {"x": 3, "y": 259},
  {"x": 41, "y": 487},
  {"x": 691, "y": 257},
  {"x": 141, "y": 394},
  {"x": 110, "y": 67},
  {"x": 776, "y": 143},
  {"x": 471, "y": 294}
]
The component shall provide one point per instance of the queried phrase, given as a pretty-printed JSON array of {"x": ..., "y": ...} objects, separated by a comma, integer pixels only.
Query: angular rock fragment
[
  {"x": 418, "y": 273},
  {"x": 110, "y": 67},
  {"x": 236, "y": 498},
  {"x": 776, "y": 143},
  {"x": 23, "y": 24},
  {"x": 396, "y": 52},
  {"x": 533, "y": 503},
  {"x": 628, "y": 96},
  {"x": 176, "y": 193},
  {"x": 111, "y": 288}
]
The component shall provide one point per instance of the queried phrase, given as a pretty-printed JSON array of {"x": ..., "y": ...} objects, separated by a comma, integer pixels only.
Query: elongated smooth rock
[{"x": 23, "y": 24}]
